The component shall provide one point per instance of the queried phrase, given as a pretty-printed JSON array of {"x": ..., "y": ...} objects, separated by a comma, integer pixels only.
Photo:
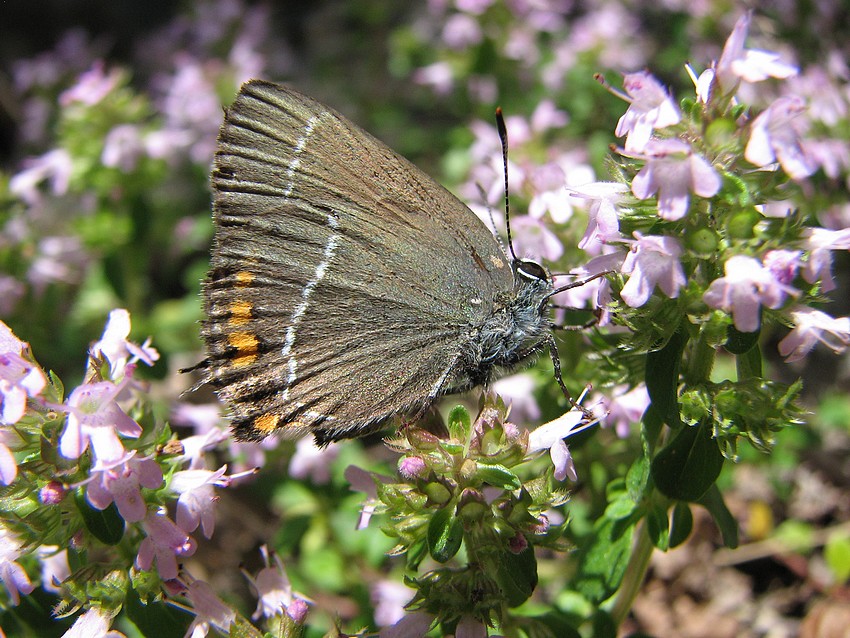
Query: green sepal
[{"x": 445, "y": 534}]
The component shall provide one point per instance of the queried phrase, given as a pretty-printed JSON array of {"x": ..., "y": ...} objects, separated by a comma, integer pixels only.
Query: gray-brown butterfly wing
[{"x": 345, "y": 283}]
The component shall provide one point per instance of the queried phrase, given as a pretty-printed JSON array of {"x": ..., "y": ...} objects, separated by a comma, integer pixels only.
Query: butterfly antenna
[
  {"x": 503, "y": 136},
  {"x": 483, "y": 196}
]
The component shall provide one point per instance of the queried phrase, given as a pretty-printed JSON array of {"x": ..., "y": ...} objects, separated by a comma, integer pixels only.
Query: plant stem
[{"x": 633, "y": 578}]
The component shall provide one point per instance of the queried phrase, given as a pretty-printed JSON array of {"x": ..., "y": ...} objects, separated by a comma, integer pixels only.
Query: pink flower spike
[
  {"x": 673, "y": 171},
  {"x": 120, "y": 481},
  {"x": 94, "y": 416},
  {"x": 651, "y": 108},
  {"x": 810, "y": 327},
  {"x": 164, "y": 542},
  {"x": 652, "y": 261},
  {"x": 775, "y": 135},
  {"x": 746, "y": 286}
]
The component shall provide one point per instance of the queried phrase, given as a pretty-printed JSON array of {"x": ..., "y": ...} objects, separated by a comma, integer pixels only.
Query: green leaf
[
  {"x": 620, "y": 508},
  {"x": 637, "y": 478},
  {"x": 681, "y": 524},
  {"x": 445, "y": 534},
  {"x": 105, "y": 525},
  {"x": 712, "y": 500},
  {"x": 837, "y": 555},
  {"x": 558, "y": 625},
  {"x": 603, "y": 559},
  {"x": 498, "y": 476},
  {"x": 459, "y": 423},
  {"x": 658, "y": 527},
  {"x": 662, "y": 377},
  {"x": 686, "y": 468},
  {"x": 517, "y": 575},
  {"x": 155, "y": 618}
]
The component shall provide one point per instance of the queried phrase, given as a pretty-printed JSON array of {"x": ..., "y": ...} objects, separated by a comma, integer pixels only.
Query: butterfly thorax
[{"x": 516, "y": 328}]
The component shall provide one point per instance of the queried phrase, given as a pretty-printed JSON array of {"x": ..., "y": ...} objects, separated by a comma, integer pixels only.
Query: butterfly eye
[{"x": 531, "y": 270}]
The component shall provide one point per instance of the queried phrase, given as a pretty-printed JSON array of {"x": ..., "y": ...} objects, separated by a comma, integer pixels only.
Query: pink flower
[
  {"x": 622, "y": 409},
  {"x": 439, "y": 76},
  {"x": 389, "y": 598},
  {"x": 470, "y": 627},
  {"x": 652, "y": 261},
  {"x": 92, "y": 86},
  {"x": 533, "y": 239},
  {"x": 311, "y": 461},
  {"x": 651, "y": 108},
  {"x": 413, "y": 625},
  {"x": 54, "y": 167},
  {"x": 94, "y": 416},
  {"x": 210, "y": 611},
  {"x": 11, "y": 573},
  {"x": 273, "y": 589},
  {"x": 364, "y": 481},
  {"x": 603, "y": 223},
  {"x": 9, "y": 439},
  {"x": 673, "y": 171},
  {"x": 54, "y": 567},
  {"x": 820, "y": 242},
  {"x": 751, "y": 65},
  {"x": 119, "y": 481},
  {"x": 118, "y": 351},
  {"x": 164, "y": 542},
  {"x": 196, "y": 503},
  {"x": 547, "y": 116},
  {"x": 810, "y": 327},
  {"x": 94, "y": 623},
  {"x": 123, "y": 147},
  {"x": 518, "y": 391},
  {"x": 746, "y": 286},
  {"x": 783, "y": 264},
  {"x": 19, "y": 378},
  {"x": 461, "y": 31},
  {"x": 775, "y": 135},
  {"x": 550, "y": 436}
]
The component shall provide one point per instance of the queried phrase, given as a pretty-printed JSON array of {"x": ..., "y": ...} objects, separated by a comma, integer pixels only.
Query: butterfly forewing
[{"x": 344, "y": 281}]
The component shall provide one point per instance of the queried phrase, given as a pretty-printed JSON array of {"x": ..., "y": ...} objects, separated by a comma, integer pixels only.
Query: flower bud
[{"x": 472, "y": 505}]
